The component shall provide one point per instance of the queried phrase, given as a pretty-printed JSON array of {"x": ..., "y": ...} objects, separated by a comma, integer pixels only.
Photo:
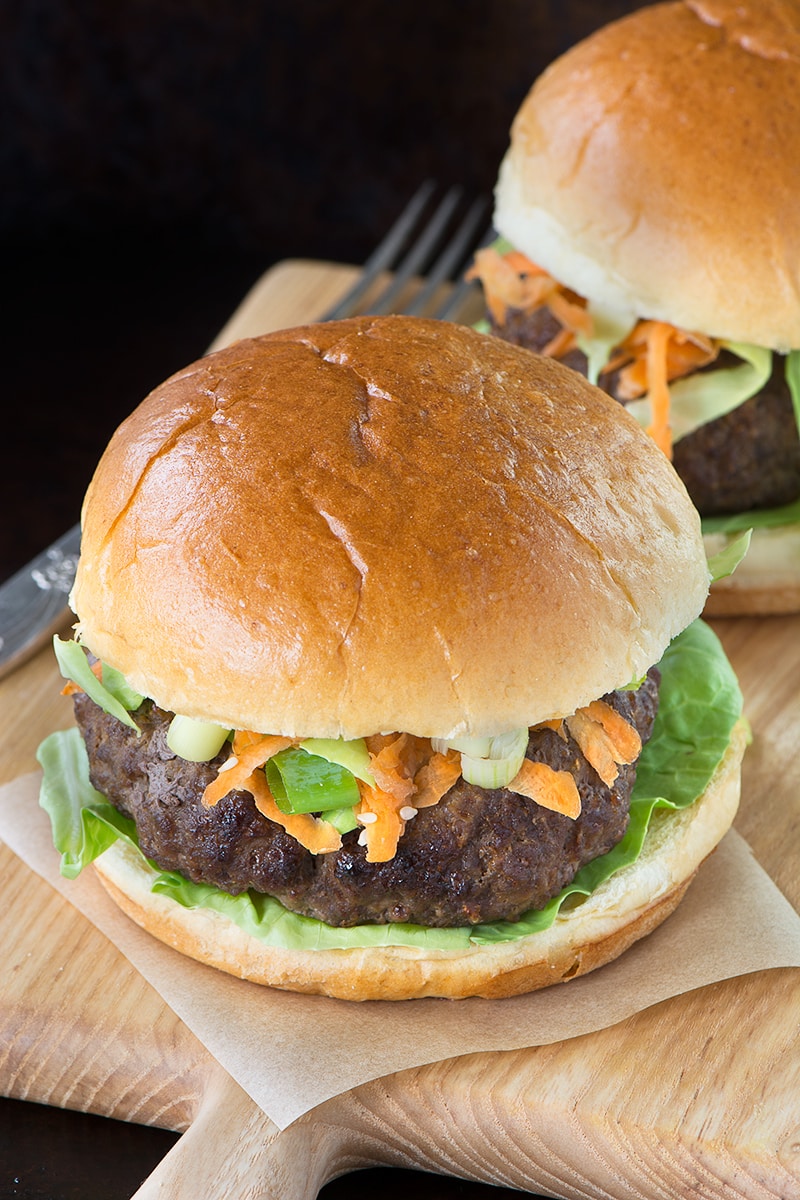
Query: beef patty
[
  {"x": 747, "y": 458},
  {"x": 478, "y": 855}
]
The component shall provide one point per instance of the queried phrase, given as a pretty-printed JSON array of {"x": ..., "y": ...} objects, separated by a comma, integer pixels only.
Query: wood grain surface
[{"x": 697, "y": 1096}]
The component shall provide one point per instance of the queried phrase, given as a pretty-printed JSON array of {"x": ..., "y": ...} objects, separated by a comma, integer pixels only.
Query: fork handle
[{"x": 33, "y": 603}]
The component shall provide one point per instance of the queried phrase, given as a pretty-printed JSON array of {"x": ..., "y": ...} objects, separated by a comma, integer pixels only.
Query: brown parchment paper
[{"x": 291, "y": 1052}]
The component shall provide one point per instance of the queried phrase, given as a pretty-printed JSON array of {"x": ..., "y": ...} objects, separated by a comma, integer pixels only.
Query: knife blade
[{"x": 33, "y": 602}]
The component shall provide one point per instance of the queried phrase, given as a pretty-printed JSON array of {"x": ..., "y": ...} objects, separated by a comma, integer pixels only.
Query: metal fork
[{"x": 426, "y": 250}]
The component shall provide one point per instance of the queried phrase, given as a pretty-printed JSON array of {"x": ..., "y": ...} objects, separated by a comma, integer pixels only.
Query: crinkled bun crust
[
  {"x": 622, "y": 910},
  {"x": 655, "y": 168},
  {"x": 383, "y": 524}
]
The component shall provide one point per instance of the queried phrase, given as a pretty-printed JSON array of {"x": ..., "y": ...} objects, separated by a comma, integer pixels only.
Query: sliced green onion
[
  {"x": 509, "y": 745},
  {"x": 489, "y": 762},
  {"x": 475, "y": 747},
  {"x": 342, "y": 819},
  {"x": 196, "y": 741},
  {"x": 350, "y": 754},
  {"x": 303, "y": 782},
  {"x": 491, "y": 772}
]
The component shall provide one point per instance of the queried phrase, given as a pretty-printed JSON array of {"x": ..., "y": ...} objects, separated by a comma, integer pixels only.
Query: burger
[
  {"x": 387, "y": 673},
  {"x": 649, "y": 237}
]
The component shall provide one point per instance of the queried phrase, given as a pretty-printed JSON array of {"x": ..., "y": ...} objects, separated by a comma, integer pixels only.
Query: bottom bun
[
  {"x": 620, "y": 911},
  {"x": 767, "y": 580}
]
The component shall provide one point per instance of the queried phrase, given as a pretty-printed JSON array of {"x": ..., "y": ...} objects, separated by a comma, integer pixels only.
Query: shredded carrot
[
  {"x": 623, "y": 736},
  {"x": 570, "y": 312},
  {"x": 510, "y": 281},
  {"x": 658, "y": 385},
  {"x": 381, "y": 835},
  {"x": 689, "y": 351},
  {"x": 520, "y": 263},
  {"x": 685, "y": 352},
  {"x": 249, "y": 752},
  {"x": 390, "y": 765},
  {"x": 435, "y": 778},
  {"x": 594, "y": 744},
  {"x": 316, "y": 835},
  {"x": 243, "y": 738},
  {"x": 651, "y": 357},
  {"x": 556, "y": 724},
  {"x": 556, "y": 790},
  {"x": 603, "y": 742},
  {"x": 409, "y": 775},
  {"x": 420, "y": 774},
  {"x": 560, "y": 344}
]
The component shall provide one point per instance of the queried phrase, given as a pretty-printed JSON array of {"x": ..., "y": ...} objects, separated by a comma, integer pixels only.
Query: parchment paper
[{"x": 291, "y": 1052}]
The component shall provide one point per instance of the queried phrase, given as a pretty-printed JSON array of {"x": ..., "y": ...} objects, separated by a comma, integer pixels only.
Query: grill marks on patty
[
  {"x": 747, "y": 458},
  {"x": 478, "y": 855}
]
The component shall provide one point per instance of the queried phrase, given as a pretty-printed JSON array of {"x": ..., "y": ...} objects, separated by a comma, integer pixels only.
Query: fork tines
[{"x": 418, "y": 268}]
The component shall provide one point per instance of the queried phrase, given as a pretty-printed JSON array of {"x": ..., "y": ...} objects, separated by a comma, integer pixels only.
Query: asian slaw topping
[
  {"x": 648, "y": 358},
  {"x": 318, "y": 789}
]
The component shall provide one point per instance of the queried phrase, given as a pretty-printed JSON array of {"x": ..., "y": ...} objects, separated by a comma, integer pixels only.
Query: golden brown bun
[
  {"x": 623, "y": 909},
  {"x": 655, "y": 168},
  {"x": 383, "y": 524}
]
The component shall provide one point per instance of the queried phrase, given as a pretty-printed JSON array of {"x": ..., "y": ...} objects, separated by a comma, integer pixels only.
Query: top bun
[
  {"x": 655, "y": 169},
  {"x": 383, "y": 524}
]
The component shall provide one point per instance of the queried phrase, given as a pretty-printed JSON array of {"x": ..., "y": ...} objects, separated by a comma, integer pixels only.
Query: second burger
[{"x": 650, "y": 238}]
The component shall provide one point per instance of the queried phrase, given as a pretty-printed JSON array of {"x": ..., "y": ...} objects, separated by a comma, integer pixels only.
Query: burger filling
[
  {"x": 699, "y": 706},
  {"x": 746, "y": 456},
  {"x": 422, "y": 844}
]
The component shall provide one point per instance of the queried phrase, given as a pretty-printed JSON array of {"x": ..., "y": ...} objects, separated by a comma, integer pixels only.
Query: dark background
[{"x": 157, "y": 157}]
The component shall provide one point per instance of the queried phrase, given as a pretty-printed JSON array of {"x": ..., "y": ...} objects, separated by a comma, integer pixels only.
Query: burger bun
[{"x": 623, "y": 909}]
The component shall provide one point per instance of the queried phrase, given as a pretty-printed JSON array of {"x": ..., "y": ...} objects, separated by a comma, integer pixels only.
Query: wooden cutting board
[{"x": 697, "y": 1096}]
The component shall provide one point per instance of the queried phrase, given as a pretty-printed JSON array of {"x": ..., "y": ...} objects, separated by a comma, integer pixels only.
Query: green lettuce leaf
[
  {"x": 754, "y": 518},
  {"x": 726, "y": 561},
  {"x": 114, "y": 695},
  {"x": 700, "y": 702},
  {"x": 609, "y": 329},
  {"x": 706, "y": 395},
  {"x": 84, "y": 824},
  {"x": 792, "y": 371}
]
